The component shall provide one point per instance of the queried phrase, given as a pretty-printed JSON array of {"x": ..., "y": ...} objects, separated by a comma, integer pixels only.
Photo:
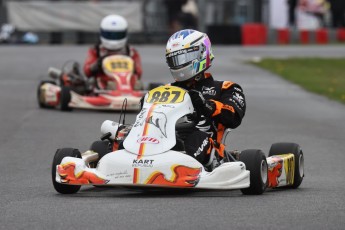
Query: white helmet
[
  {"x": 188, "y": 53},
  {"x": 113, "y": 32}
]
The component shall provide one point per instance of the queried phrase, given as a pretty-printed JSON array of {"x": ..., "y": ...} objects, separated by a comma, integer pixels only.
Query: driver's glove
[
  {"x": 200, "y": 104},
  {"x": 96, "y": 67}
]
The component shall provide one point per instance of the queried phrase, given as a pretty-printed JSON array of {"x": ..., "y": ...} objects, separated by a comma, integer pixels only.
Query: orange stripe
[
  {"x": 135, "y": 175},
  {"x": 145, "y": 131},
  {"x": 142, "y": 145}
]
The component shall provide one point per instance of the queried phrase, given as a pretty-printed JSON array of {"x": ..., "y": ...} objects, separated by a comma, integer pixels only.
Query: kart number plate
[
  {"x": 166, "y": 95},
  {"x": 118, "y": 64}
]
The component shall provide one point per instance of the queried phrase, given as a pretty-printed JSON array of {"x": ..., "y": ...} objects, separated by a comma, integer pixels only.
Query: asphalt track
[{"x": 277, "y": 111}]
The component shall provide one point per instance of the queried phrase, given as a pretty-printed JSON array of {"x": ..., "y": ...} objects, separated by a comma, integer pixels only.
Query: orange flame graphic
[
  {"x": 274, "y": 173},
  {"x": 66, "y": 172},
  {"x": 183, "y": 177}
]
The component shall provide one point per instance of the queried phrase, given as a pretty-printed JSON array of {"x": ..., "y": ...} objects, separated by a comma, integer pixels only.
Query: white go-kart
[{"x": 148, "y": 158}]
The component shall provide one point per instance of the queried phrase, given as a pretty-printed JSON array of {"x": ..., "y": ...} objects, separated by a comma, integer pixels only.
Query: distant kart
[
  {"x": 70, "y": 89},
  {"x": 151, "y": 156}
]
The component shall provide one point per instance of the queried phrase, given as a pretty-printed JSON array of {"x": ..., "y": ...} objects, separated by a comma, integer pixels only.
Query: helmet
[
  {"x": 113, "y": 32},
  {"x": 188, "y": 53}
]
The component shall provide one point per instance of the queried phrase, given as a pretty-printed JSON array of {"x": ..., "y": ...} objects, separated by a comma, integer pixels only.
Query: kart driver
[
  {"x": 221, "y": 104},
  {"x": 113, "y": 40}
]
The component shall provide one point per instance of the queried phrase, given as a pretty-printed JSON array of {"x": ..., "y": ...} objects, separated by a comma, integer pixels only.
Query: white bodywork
[{"x": 147, "y": 159}]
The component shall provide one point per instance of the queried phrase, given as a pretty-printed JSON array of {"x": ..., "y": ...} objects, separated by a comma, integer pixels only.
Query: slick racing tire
[
  {"x": 101, "y": 147},
  {"x": 59, "y": 155},
  {"x": 65, "y": 98},
  {"x": 295, "y": 149},
  {"x": 40, "y": 101},
  {"x": 255, "y": 161}
]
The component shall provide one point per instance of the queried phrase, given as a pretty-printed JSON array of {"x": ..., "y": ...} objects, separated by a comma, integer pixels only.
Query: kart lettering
[
  {"x": 148, "y": 140},
  {"x": 142, "y": 163},
  {"x": 201, "y": 148},
  {"x": 118, "y": 64},
  {"x": 166, "y": 95},
  {"x": 159, "y": 120}
]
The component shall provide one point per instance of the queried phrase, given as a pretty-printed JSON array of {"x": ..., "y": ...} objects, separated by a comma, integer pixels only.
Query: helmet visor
[
  {"x": 181, "y": 58},
  {"x": 113, "y": 35}
]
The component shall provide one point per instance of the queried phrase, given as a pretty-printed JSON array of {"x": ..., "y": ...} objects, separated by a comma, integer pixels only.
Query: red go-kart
[{"x": 70, "y": 89}]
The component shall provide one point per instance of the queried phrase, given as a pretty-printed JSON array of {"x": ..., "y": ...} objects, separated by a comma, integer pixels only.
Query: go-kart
[
  {"x": 70, "y": 89},
  {"x": 151, "y": 156}
]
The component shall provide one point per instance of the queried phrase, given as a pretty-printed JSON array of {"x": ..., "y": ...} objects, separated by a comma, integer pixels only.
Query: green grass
[{"x": 325, "y": 76}]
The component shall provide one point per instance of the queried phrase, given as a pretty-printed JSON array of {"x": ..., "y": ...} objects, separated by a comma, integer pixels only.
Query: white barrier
[{"x": 66, "y": 15}]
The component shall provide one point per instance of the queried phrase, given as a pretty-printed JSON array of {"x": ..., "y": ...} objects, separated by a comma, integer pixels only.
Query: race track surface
[{"x": 276, "y": 111}]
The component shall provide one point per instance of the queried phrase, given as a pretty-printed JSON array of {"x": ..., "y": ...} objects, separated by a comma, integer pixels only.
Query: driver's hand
[
  {"x": 200, "y": 104},
  {"x": 97, "y": 66}
]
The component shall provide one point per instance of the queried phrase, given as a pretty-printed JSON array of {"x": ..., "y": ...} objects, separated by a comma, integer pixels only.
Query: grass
[{"x": 325, "y": 76}]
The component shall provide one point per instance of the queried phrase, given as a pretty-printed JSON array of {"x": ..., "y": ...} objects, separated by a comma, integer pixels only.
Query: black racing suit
[{"x": 230, "y": 106}]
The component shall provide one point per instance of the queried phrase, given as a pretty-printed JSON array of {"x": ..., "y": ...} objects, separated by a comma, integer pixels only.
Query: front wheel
[
  {"x": 295, "y": 149},
  {"x": 40, "y": 94},
  {"x": 255, "y": 161},
  {"x": 59, "y": 155}
]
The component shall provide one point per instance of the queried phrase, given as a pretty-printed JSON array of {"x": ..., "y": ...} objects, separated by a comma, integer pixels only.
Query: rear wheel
[
  {"x": 65, "y": 98},
  {"x": 295, "y": 149},
  {"x": 40, "y": 96},
  {"x": 255, "y": 161},
  {"x": 59, "y": 155}
]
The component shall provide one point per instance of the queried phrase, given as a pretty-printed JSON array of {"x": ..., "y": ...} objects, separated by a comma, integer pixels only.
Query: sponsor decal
[
  {"x": 203, "y": 125},
  {"x": 274, "y": 172},
  {"x": 120, "y": 175},
  {"x": 148, "y": 140},
  {"x": 201, "y": 148},
  {"x": 182, "y": 51},
  {"x": 208, "y": 90},
  {"x": 289, "y": 166},
  {"x": 183, "y": 176},
  {"x": 175, "y": 44},
  {"x": 168, "y": 106},
  {"x": 140, "y": 118},
  {"x": 142, "y": 163},
  {"x": 66, "y": 173},
  {"x": 159, "y": 120},
  {"x": 239, "y": 99},
  {"x": 275, "y": 169},
  {"x": 238, "y": 89}
]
